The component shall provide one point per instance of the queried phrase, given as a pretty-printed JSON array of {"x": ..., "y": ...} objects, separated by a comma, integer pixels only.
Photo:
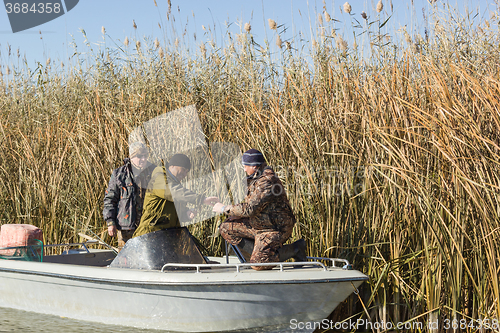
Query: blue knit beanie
[{"x": 253, "y": 157}]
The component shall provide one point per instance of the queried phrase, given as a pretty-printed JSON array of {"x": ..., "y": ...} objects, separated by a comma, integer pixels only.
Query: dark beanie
[
  {"x": 180, "y": 160},
  {"x": 253, "y": 157}
]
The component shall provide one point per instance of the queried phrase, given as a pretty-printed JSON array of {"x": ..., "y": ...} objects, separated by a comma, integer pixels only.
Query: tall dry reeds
[{"x": 390, "y": 161}]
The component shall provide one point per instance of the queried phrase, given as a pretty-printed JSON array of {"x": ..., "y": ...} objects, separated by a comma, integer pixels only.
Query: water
[
  {"x": 22, "y": 321},
  {"x": 30, "y": 322}
]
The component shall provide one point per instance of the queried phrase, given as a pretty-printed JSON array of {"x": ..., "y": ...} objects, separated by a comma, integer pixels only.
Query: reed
[{"x": 390, "y": 161}]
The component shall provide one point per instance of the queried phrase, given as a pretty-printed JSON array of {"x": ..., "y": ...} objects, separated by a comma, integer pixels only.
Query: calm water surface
[
  {"x": 26, "y": 322},
  {"x": 22, "y": 321}
]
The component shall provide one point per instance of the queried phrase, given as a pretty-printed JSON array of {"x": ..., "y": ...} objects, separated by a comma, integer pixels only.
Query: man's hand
[
  {"x": 211, "y": 201},
  {"x": 112, "y": 230},
  {"x": 191, "y": 213},
  {"x": 218, "y": 208}
]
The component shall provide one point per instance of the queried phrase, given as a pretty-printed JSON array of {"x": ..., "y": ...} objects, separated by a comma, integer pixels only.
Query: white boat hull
[{"x": 187, "y": 301}]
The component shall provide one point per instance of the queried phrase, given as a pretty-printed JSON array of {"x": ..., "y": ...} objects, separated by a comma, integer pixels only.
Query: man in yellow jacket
[{"x": 165, "y": 187}]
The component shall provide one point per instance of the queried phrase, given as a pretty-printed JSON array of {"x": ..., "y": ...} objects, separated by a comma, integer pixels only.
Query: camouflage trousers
[
  {"x": 123, "y": 237},
  {"x": 267, "y": 242}
]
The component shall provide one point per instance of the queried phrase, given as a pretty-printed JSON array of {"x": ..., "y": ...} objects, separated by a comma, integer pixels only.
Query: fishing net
[{"x": 33, "y": 251}]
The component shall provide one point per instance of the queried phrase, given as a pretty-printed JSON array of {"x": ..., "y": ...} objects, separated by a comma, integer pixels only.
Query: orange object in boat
[{"x": 12, "y": 235}]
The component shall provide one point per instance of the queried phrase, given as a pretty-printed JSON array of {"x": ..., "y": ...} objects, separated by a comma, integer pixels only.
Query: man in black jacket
[{"x": 124, "y": 197}]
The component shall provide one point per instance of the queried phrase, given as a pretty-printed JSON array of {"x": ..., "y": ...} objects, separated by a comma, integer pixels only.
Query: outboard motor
[{"x": 152, "y": 251}]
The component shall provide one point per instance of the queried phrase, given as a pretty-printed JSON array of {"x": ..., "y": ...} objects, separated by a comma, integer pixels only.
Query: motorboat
[{"x": 162, "y": 281}]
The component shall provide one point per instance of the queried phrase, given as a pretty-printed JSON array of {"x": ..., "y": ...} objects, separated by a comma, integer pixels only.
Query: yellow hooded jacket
[{"x": 159, "y": 210}]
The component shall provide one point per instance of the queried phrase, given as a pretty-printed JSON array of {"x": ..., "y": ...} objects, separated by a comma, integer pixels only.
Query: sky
[{"x": 55, "y": 38}]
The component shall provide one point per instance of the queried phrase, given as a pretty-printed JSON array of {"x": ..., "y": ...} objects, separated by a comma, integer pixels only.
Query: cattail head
[
  {"x": 328, "y": 18},
  {"x": 247, "y": 27},
  {"x": 47, "y": 62},
  {"x": 134, "y": 25},
  {"x": 320, "y": 19},
  {"x": 161, "y": 54},
  {"x": 62, "y": 64},
  {"x": 363, "y": 15},
  {"x": 156, "y": 43},
  {"x": 7, "y": 71},
  {"x": 380, "y": 6},
  {"x": 203, "y": 50},
  {"x": 138, "y": 45},
  {"x": 415, "y": 47},
  {"x": 272, "y": 24},
  {"x": 347, "y": 8},
  {"x": 279, "y": 43},
  {"x": 103, "y": 30},
  {"x": 407, "y": 37},
  {"x": 241, "y": 39},
  {"x": 125, "y": 42},
  {"x": 341, "y": 43}
]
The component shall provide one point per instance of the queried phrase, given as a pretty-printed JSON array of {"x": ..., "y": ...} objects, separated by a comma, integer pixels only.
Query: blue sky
[{"x": 53, "y": 39}]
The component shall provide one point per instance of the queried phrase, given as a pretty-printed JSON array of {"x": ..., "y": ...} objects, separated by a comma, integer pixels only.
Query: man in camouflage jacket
[
  {"x": 265, "y": 216},
  {"x": 124, "y": 197}
]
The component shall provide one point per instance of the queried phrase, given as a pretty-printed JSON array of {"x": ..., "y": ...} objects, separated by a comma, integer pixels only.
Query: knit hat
[
  {"x": 253, "y": 157},
  {"x": 180, "y": 160},
  {"x": 137, "y": 148}
]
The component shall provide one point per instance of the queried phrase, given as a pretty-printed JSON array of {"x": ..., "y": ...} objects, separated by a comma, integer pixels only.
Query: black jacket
[{"x": 124, "y": 196}]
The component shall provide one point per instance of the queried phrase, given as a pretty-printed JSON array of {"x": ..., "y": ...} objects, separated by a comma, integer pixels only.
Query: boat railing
[
  {"x": 239, "y": 266},
  {"x": 346, "y": 264},
  {"x": 36, "y": 252},
  {"x": 82, "y": 245}
]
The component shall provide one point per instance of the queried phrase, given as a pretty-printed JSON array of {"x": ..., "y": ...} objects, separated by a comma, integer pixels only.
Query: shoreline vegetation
[{"x": 388, "y": 147}]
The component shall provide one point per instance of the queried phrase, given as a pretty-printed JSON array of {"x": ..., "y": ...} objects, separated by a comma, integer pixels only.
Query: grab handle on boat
[{"x": 346, "y": 265}]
